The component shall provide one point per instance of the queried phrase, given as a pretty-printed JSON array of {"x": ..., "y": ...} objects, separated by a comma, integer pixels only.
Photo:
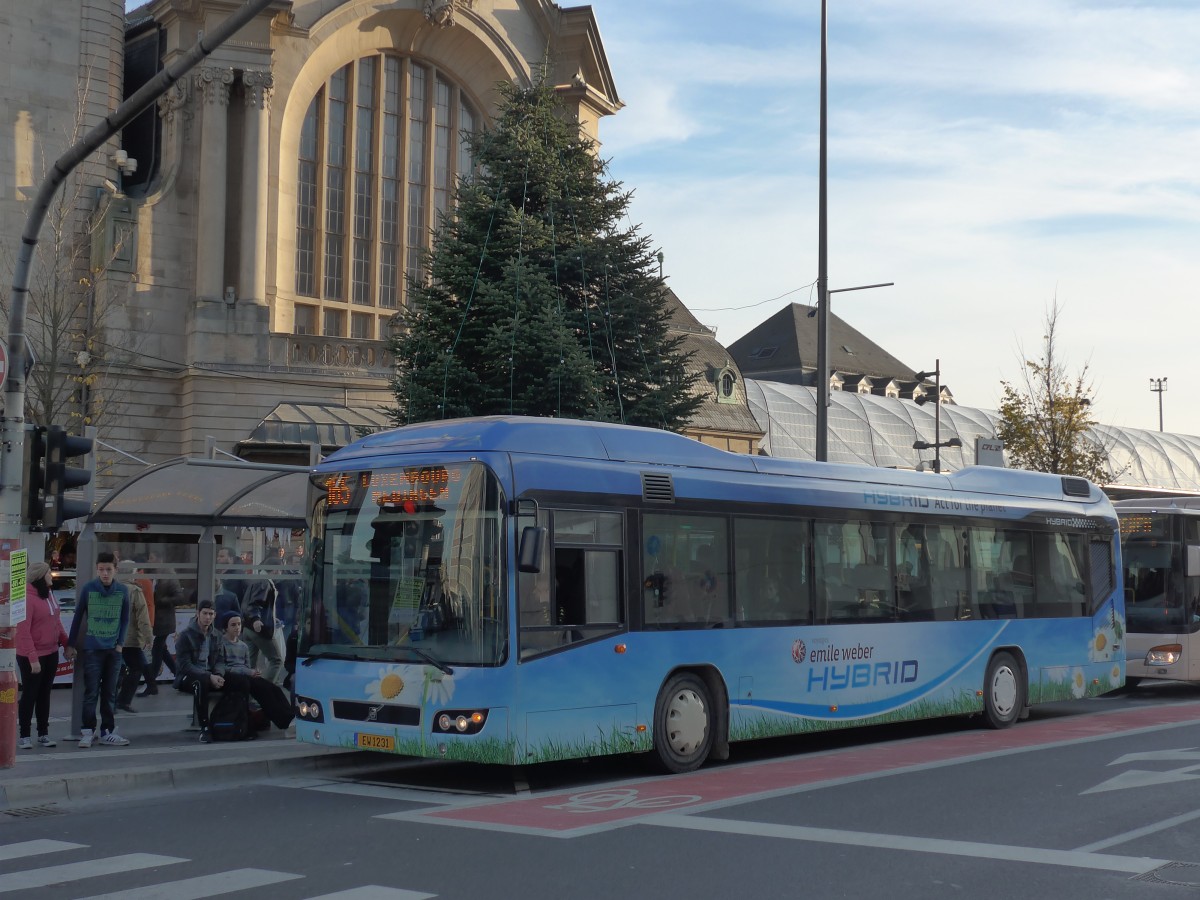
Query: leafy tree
[
  {"x": 1045, "y": 421},
  {"x": 538, "y": 300}
]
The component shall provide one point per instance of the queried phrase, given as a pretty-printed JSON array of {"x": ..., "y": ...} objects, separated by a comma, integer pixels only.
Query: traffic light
[
  {"x": 60, "y": 477},
  {"x": 35, "y": 476}
]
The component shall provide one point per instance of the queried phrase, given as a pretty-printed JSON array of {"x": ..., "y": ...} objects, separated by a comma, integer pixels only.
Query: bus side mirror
[
  {"x": 1193, "y": 560},
  {"x": 529, "y": 556}
]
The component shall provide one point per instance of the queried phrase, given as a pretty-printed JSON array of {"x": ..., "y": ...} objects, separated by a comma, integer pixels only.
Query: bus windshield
[
  {"x": 1149, "y": 552},
  {"x": 406, "y": 567}
]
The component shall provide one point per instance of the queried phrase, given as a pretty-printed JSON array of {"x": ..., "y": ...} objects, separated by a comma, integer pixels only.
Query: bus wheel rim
[
  {"x": 1004, "y": 690},
  {"x": 687, "y": 722}
]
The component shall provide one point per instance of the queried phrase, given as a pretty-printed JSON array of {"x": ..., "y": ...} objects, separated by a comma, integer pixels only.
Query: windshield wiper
[
  {"x": 430, "y": 658},
  {"x": 329, "y": 654}
]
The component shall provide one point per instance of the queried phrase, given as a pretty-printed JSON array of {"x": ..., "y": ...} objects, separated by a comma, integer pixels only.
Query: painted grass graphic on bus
[{"x": 494, "y": 751}]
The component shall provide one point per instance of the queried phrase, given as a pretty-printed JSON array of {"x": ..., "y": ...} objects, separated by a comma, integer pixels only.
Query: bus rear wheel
[
  {"x": 1003, "y": 691},
  {"x": 683, "y": 724}
]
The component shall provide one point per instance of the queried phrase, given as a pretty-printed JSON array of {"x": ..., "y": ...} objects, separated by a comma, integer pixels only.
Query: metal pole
[
  {"x": 822, "y": 388},
  {"x": 12, "y": 425},
  {"x": 1158, "y": 385},
  {"x": 937, "y": 416}
]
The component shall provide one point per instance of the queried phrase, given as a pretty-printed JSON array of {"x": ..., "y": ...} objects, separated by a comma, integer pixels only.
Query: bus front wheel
[
  {"x": 683, "y": 723},
  {"x": 1003, "y": 691}
]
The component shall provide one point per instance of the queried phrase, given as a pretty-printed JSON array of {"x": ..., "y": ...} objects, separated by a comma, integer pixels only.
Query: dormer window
[{"x": 726, "y": 383}]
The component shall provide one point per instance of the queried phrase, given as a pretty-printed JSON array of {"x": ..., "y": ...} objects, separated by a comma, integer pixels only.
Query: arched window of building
[{"x": 380, "y": 150}]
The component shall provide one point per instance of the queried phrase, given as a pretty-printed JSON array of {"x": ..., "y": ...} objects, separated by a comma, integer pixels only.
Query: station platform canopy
[
  {"x": 880, "y": 431},
  {"x": 210, "y": 493}
]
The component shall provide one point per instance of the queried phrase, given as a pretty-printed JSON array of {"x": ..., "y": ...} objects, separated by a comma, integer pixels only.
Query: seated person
[
  {"x": 195, "y": 653},
  {"x": 231, "y": 663}
]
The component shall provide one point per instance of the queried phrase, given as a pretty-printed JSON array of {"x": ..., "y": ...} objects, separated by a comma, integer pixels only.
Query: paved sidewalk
[{"x": 164, "y": 753}]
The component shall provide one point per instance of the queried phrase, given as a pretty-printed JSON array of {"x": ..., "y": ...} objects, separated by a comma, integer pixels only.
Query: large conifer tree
[{"x": 539, "y": 298}]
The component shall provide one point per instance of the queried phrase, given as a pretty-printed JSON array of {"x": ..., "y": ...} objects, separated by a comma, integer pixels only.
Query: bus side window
[
  {"x": 577, "y": 594},
  {"x": 685, "y": 569},
  {"x": 1101, "y": 558},
  {"x": 1005, "y": 565},
  {"x": 771, "y": 578},
  {"x": 1059, "y": 566}
]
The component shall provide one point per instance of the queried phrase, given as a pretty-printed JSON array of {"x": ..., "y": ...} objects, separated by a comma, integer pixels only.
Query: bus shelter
[{"x": 208, "y": 494}]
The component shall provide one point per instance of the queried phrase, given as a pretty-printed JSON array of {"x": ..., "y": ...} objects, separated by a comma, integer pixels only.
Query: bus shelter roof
[{"x": 210, "y": 492}]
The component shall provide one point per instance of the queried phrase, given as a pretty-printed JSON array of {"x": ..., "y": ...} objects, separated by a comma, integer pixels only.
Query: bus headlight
[
  {"x": 1164, "y": 655},
  {"x": 459, "y": 721},
  {"x": 309, "y": 710}
]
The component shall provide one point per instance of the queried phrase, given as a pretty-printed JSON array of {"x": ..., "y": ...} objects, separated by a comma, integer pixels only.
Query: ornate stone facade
[{"x": 207, "y": 336}]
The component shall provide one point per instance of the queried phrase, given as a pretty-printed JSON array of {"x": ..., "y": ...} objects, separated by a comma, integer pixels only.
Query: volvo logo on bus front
[{"x": 373, "y": 713}]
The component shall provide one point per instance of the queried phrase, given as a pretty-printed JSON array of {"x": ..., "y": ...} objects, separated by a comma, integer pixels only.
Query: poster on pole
[{"x": 18, "y": 562}]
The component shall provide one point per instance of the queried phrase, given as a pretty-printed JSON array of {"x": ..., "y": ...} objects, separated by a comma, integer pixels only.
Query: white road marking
[
  {"x": 202, "y": 886},
  {"x": 1142, "y": 832},
  {"x": 1135, "y": 865},
  {"x": 35, "y": 848},
  {"x": 93, "y": 868},
  {"x": 1184, "y": 754},
  {"x": 374, "y": 892},
  {"x": 1141, "y": 778}
]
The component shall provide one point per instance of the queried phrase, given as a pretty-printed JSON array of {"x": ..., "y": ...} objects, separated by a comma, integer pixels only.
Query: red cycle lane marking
[{"x": 571, "y": 810}]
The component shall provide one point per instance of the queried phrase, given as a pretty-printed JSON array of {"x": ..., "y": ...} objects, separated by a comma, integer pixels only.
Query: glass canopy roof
[
  {"x": 880, "y": 431},
  {"x": 215, "y": 492}
]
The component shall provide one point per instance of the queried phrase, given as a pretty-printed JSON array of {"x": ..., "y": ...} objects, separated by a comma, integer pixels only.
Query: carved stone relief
[
  {"x": 257, "y": 88},
  {"x": 441, "y": 12},
  {"x": 213, "y": 83}
]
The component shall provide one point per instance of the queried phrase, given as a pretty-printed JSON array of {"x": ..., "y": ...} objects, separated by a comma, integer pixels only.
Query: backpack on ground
[{"x": 230, "y": 718}]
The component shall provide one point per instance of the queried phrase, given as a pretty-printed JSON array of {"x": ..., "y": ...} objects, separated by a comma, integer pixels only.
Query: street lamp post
[
  {"x": 1158, "y": 385},
  {"x": 938, "y": 443},
  {"x": 822, "y": 387}
]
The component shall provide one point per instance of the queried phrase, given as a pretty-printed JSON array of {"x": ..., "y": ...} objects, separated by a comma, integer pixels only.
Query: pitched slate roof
[{"x": 784, "y": 349}]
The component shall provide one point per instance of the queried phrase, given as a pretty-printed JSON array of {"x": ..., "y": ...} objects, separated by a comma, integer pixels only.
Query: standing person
[
  {"x": 38, "y": 638},
  {"x": 261, "y": 629},
  {"x": 197, "y": 648},
  {"x": 232, "y": 662},
  {"x": 98, "y": 633},
  {"x": 227, "y": 573},
  {"x": 167, "y": 596},
  {"x": 225, "y": 600},
  {"x": 146, "y": 583},
  {"x": 140, "y": 635}
]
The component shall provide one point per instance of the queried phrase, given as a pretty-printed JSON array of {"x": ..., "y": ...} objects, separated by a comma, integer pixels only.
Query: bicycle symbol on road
[{"x": 604, "y": 801}]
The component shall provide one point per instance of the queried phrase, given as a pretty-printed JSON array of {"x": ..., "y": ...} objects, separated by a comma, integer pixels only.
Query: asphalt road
[{"x": 1088, "y": 800}]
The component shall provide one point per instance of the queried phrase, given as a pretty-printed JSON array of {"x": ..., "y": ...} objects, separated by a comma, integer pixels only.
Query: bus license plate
[{"x": 374, "y": 742}]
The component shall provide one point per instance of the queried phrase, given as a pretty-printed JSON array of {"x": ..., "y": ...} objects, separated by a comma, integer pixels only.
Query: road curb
[{"x": 20, "y": 793}]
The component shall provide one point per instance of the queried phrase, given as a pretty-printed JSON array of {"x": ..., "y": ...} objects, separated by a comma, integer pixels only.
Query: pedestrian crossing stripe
[
  {"x": 211, "y": 885},
  {"x": 202, "y": 886},
  {"x": 35, "y": 848},
  {"x": 79, "y": 871}
]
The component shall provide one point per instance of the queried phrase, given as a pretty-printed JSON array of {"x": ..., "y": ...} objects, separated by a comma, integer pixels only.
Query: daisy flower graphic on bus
[{"x": 410, "y": 684}]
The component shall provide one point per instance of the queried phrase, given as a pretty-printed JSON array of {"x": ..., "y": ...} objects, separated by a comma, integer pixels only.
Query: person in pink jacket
[{"x": 38, "y": 640}]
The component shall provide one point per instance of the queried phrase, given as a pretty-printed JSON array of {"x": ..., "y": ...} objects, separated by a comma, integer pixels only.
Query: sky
[{"x": 991, "y": 159}]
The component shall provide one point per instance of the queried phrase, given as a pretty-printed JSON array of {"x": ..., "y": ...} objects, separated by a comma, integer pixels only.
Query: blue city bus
[{"x": 517, "y": 590}]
